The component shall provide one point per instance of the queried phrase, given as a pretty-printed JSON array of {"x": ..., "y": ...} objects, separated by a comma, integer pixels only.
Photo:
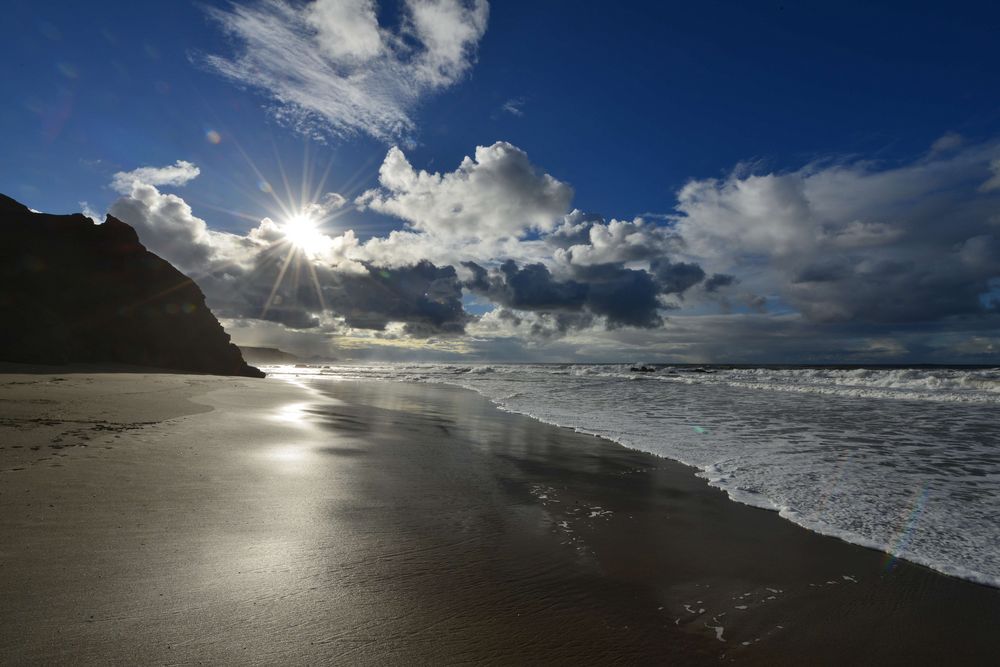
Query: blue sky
[{"x": 626, "y": 103}]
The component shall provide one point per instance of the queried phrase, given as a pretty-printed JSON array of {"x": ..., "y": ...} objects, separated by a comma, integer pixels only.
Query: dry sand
[{"x": 183, "y": 519}]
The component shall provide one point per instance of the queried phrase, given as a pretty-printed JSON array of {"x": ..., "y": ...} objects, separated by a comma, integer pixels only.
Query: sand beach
[{"x": 182, "y": 519}]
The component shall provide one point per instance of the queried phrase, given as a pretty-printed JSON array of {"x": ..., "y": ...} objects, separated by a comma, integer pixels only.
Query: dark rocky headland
[{"x": 72, "y": 291}]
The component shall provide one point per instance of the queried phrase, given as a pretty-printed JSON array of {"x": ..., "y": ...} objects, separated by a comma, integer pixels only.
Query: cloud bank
[
  {"x": 329, "y": 67},
  {"x": 838, "y": 260},
  {"x": 853, "y": 242}
]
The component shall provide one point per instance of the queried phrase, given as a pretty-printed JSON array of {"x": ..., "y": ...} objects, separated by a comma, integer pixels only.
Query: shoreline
[
  {"x": 893, "y": 581},
  {"x": 368, "y": 522},
  {"x": 953, "y": 554},
  {"x": 751, "y": 500},
  {"x": 735, "y": 495}
]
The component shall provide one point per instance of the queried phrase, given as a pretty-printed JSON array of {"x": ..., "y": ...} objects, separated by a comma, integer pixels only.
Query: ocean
[{"x": 904, "y": 460}]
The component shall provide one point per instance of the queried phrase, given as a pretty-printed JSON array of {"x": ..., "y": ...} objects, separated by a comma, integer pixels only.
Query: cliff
[{"x": 74, "y": 291}]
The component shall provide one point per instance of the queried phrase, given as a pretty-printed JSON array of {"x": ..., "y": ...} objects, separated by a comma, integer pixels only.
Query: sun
[{"x": 301, "y": 231}]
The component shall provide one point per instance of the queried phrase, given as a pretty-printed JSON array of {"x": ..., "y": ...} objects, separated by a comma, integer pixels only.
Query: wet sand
[{"x": 185, "y": 519}]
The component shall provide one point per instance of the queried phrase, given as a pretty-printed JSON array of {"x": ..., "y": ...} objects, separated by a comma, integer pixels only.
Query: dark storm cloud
[
  {"x": 718, "y": 281},
  {"x": 533, "y": 288},
  {"x": 625, "y": 297},
  {"x": 480, "y": 281},
  {"x": 425, "y": 297},
  {"x": 676, "y": 278},
  {"x": 235, "y": 290}
]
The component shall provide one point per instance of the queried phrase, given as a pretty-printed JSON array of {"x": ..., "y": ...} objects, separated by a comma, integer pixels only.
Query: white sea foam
[{"x": 905, "y": 460}]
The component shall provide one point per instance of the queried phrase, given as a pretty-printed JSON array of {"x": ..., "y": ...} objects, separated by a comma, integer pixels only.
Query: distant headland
[{"x": 267, "y": 355}]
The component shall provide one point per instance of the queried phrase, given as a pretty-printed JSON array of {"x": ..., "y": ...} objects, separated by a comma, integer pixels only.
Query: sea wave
[{"x": 953, "y": 385}]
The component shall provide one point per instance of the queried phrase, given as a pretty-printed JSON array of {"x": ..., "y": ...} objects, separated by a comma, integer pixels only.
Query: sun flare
[{"x": 302, "y": 232}]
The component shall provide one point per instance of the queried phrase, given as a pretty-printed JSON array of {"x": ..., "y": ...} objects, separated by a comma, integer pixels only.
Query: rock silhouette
[{"x": 75, "y": 291}]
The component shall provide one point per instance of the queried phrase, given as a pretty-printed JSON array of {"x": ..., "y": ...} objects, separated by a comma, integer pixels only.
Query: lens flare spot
[{"x": 213, "y": 137}]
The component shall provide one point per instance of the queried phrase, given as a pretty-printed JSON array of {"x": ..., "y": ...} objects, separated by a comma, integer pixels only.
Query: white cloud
[
  {"x": 747, "y": 216},
  {"x": 325, "y": 206},
  {"x": 91, "y": 213},
  {"x": 513, "y": 106},
  {"x": 176, "y": 174},
  {"x": 346, "y": 31},
  {"x": 621, "y": 241},
  {"x": 167, "y": 226},
  {"x": 329, "y": 67},
  {"x": 496, "y": 194},
  {"x": 447, "y": 29},
  {"x": 400, "y": 247}
]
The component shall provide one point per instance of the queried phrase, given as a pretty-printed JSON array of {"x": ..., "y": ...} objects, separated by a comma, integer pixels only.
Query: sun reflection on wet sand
[
  {"x": 288, "y": 453},
  {"x": 295, "y": 413},
  {"x": 292, "y": 456}
]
